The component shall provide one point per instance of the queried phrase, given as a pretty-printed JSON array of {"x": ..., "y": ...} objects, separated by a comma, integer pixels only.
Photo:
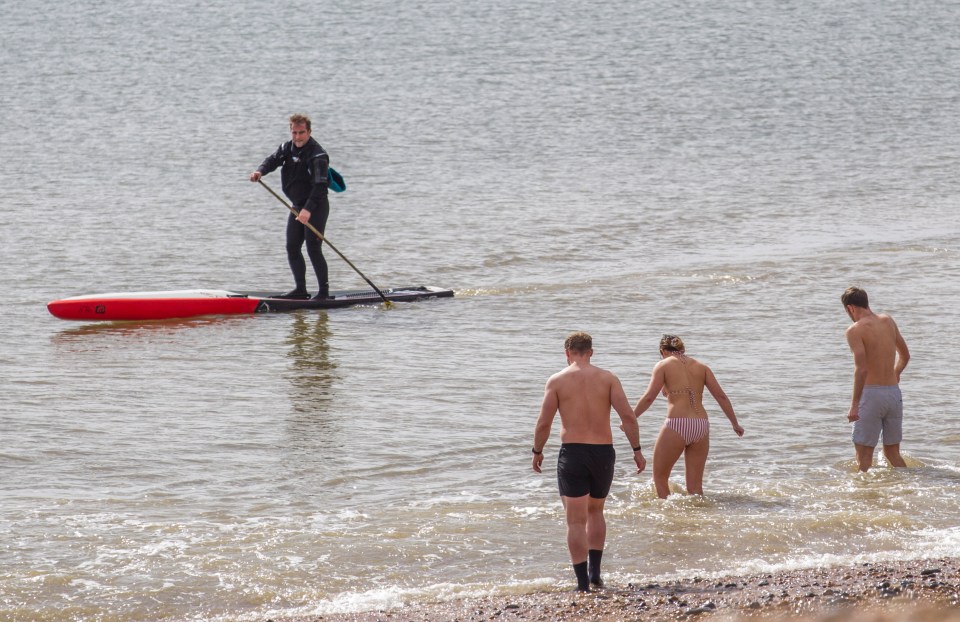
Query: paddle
[{"x": 321, "y": 236}]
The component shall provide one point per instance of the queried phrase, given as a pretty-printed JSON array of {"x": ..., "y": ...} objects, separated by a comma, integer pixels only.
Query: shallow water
[{"x": 720, "y": 172}]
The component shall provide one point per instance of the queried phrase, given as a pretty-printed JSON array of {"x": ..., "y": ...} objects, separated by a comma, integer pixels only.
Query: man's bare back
[
  {"x": 584, "y": 398},
  {"x": 583, "y": 394},
  {"x": 879, "y": 339}
]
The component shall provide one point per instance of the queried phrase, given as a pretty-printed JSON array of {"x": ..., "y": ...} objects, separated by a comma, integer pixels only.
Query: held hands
[
  {"x": 255, "y": 176},
  {"x": 303, "y": 217}
]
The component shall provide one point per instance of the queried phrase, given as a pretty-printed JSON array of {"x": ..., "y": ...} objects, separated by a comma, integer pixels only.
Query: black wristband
[
  {"x": 534, "y": 450},
  {"x": 637, "y": 448}
]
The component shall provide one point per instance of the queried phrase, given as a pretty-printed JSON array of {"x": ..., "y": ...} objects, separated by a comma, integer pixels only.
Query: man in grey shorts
[{"x": 879, "y": 357}]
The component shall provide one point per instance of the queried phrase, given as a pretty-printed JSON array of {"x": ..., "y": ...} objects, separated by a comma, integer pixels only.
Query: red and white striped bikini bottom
[{"x": 690, "y": 429}]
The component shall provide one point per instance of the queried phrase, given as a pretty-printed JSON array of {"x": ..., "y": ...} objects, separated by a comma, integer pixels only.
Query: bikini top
[{"x": 691, "y": 394}]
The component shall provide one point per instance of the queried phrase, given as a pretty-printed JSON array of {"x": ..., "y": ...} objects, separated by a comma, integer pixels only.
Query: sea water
[{"x": 719, "y": 171}]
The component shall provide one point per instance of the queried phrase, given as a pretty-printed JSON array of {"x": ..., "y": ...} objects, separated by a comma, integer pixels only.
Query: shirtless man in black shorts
[{"x": 584, "y": 394}]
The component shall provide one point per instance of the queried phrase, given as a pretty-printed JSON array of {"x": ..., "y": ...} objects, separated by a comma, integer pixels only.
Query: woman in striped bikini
[{"x": 686, "y": 430}]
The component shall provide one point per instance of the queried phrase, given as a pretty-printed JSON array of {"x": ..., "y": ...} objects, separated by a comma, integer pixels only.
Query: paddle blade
[{"x": 335, "y": 180}]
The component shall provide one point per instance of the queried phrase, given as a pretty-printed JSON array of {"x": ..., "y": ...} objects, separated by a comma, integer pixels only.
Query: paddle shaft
[{"x": 324, "y": 238}]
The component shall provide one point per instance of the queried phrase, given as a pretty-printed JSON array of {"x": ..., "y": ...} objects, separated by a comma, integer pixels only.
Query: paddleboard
[{"x": 164, "y": 305}]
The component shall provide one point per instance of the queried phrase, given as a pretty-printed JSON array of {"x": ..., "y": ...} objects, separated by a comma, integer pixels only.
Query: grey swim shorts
[{"x": 881, "y": 410}]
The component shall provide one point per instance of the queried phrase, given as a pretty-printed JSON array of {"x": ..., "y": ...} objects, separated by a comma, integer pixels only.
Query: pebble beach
[{"x": 910, "y": 591}]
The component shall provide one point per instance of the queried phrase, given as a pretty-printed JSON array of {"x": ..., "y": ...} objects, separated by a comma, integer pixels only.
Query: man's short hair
[
  {"x": 297, "y": 119},
  {"x": 856, "y": 297},
  {"x": 578, "y": 342}
]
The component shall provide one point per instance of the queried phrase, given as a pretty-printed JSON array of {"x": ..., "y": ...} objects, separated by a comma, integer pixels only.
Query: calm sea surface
[{"x": 717, "y": 170}]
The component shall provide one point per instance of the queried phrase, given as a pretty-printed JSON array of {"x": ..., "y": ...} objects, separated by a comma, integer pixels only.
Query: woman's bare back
[{"x": 683, "y": 382}]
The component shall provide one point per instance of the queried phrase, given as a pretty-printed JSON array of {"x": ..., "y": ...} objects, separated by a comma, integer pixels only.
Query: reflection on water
[
  {"x": 72, "y": 337},
  {"x": 313, "y": 426},
  {"x": 311, "y": 372}
]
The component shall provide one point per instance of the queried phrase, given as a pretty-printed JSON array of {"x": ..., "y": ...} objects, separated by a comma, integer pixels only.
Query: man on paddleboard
[
  {"x": 879, "y": 357},
  {"x": 584, "y": 395},
  {"x": 303, "y": 167}
]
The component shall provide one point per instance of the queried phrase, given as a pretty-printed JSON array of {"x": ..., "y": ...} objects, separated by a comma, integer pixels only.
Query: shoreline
[{"x": 915, "y": 590}]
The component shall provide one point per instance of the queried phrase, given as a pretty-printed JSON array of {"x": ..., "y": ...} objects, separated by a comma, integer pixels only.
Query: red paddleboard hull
[
  {"x": 152, "y": 305},
  {"x": 167, "y": 305}
]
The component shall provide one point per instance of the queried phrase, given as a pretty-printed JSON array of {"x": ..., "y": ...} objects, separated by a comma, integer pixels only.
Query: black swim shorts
[{"x": 585, "y": 469}]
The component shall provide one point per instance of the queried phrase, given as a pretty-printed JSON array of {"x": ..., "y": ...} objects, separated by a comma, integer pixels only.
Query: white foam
[{"x": 386, "y": 599}]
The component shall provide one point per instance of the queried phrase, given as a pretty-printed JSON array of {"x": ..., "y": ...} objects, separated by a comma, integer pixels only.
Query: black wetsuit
[{"x": 303, "y": 175}]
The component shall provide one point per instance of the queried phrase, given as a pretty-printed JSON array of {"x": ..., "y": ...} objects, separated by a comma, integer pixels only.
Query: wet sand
[{"x": 914, "y": 591}]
